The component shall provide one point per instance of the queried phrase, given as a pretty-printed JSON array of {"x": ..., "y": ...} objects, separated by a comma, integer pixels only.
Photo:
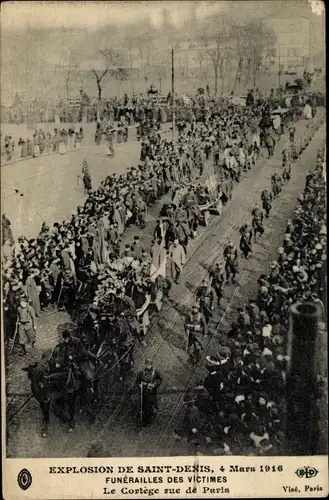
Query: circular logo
[{"x": 24, "y": 479}]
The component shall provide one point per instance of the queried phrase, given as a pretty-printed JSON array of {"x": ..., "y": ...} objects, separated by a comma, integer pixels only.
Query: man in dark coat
[
  {"x": 148, "y": 381},
  {"x": 6, "y": 230}
]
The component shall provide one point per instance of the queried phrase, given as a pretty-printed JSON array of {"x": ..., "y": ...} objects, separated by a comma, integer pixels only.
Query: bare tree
[
  {"x": 253, "y": 41},
  {"x": 113, "y": 62},
  {"x": 140, "y": 36},
  {"x": 213, "y": 38}
]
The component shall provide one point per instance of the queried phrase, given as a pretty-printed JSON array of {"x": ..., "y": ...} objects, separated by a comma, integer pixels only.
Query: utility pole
[
  {"x": 279, "y": 70},
  {"x": 173, "y": 94}
]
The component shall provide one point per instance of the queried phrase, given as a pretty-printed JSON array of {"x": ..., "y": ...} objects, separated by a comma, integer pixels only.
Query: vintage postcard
[{"x": 163, "y": 250}]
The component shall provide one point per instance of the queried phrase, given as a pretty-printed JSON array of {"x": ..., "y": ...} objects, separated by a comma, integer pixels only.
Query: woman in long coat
[
  {"x": 98, "y": 134},
  {"x": 118, "y": 219},
  {"x": 62, "y": 144},
  {"x": 99, "y": 243},
  {"x": 33, "y": 294}
]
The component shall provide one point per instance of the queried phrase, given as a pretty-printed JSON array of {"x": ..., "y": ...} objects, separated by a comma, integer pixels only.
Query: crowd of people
[
  {"x": 82, "y": 262},
  {"x": 80, "y": 109},
  {"x": 240, "y": 404},
  {"x": 113, "y": 115},
  {"x": 68, "y": 254}
]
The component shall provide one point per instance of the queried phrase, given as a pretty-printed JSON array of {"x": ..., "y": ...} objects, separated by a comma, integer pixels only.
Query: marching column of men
[
  {"x": 212, "y": 286},
  {"x": 240, "y": 402}
]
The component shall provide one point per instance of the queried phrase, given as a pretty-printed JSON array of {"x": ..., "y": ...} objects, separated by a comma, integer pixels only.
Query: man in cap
[
  {"x": 264, "y": 300},
  {"x": 72, "y": 351},
  {"x": 148, "y": 380},
  {"x": 26, "y": 326},
  {"x": 196, "y": 331},
  {"x": 231, "y": 261},
  {"x": 286, "y": 173},
  {"x": 218, "y": 280},
  {"x": 276, "y": 181},
  {"x": 207, "y": 297},
  {"x": 245, "y": 240},
  {"x": 221, "y": 362},
  {"x": 266, "y": 198},
  {"x": 275, "y": 271},
  {"x": 243, "y": 319},
  {"x": 128, "y": 252},
  {"x": 96, "y": 449},
  {"x": 257, "y": 222}
]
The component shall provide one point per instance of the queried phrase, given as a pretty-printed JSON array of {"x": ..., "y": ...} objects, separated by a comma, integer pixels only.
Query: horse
[{"x": 60, "y": 387}]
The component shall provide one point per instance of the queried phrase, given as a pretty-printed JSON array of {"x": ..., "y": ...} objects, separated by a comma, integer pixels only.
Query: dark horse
[{"x": 58, "y": 387}]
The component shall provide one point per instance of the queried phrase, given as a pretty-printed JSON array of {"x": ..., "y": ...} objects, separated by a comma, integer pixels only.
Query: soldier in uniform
[
  {"x": 67, "y": 283},
  {"x": 72, "y": 352},
  {"x": 276, "y": 184},
  {"x": 148, "y": 381},
  {"x": 286, "y": 174},
  {"x": 231, "y": 261},
  {"x": 26, "y": 326},
  {"x": 284, "y": 158},
  {"x": 196, "y": 331},
  {"x": 206, "y": 296},
  {"x": 266, "y": 198},
  {"x": 87, "y": 182},
  {"x": 218, "y": 279},
  {"x": 245, "y": 240},
  {"x": 292, "y": 132},
  {"x": 257, "y": 222}
]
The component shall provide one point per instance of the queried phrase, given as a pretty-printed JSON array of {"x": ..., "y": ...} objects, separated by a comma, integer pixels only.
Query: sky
[
  {"x": 33, "y": 14},
  {"x": 47, "y": 14},
  {"x": 18, "y": 15}
]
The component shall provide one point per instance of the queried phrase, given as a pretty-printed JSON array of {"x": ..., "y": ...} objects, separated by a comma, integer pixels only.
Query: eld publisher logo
[
  {"x": 24, "y": 479},
  {"x": 306, "y": 472}
]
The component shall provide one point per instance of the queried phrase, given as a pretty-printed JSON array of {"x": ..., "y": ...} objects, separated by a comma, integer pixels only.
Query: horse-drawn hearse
[{"x": 102, "y": 337}]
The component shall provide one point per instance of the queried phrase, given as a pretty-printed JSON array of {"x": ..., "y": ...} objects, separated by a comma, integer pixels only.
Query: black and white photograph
[{"x": 164, "y": 231}]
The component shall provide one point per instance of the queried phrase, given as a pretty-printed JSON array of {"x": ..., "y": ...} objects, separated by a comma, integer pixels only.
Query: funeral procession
[{"x": 163, "y": 207}]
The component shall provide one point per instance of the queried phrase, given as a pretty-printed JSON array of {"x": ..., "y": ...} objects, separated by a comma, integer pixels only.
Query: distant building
[{"x": 292, "y": 47}]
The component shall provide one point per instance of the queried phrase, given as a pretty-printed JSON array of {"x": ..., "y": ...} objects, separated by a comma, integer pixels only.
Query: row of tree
[
  {"x": 142, "y": 51},
  {"x": 250, "y": 45}
]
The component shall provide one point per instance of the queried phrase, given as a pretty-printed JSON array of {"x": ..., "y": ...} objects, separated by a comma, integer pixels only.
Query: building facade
[{"x": 292, "y": 48}]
